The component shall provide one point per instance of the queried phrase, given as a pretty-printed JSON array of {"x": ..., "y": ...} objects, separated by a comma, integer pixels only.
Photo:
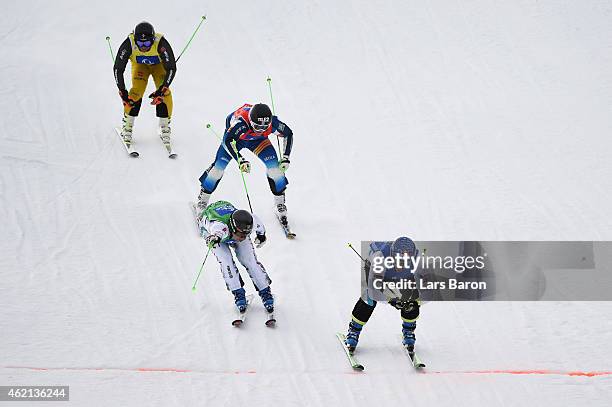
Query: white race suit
[{"x": 245, "y": 253}]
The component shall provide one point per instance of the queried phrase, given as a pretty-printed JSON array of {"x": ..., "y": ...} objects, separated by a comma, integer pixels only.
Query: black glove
[
  {"x": 405, "y": 305},
  {"x": 212, "y": 241},
  {"x": 260, "y": 240},
  {"x": 158, "y": 96},
  {"x": 126, "y": 98}
]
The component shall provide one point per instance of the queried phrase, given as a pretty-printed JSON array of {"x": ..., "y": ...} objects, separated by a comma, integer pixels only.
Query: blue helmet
[{"x": 404, "y": 245}]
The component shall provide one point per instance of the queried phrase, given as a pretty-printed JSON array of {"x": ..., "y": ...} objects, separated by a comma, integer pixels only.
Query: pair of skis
[
  {"x": 241, "y": 316},
  {"x": 414, "y": 359},
  {"x": 129, "y": 146}
]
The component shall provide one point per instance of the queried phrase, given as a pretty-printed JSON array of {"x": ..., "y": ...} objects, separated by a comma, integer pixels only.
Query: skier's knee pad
[
  {"x": 161, "y": 110},
  {"x": 412, "y": 314},
  {"x": 135, "y": 109},
  {"x": 362, "y": 311},
  {"x": 164, "y": 109}
]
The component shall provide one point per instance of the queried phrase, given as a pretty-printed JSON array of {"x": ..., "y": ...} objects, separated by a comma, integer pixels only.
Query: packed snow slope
[{"x": 439, "y": 120}]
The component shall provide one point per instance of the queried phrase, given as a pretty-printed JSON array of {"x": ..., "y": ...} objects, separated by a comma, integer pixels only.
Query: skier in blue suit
[{"x": 407, "y": 301}]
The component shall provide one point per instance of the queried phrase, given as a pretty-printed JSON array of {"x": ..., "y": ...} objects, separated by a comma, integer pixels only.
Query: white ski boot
[
  {"x": 280, "y": 210},
  {"x": 201, "y": 204},
  {"x": 126, "y": 129},
  {"x": 165, "y": 133}
]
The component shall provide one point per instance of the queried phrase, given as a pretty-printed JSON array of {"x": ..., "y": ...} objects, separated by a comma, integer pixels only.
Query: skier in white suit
[{"x": 229, "y": 228}]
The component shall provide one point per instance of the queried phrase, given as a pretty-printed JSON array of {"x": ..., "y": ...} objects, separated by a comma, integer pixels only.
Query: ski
[
  {"x": 416, "y": 362},
  {"x": 288, "y": 233},
  {"x": 128, "y": 146},
  {"x": 241, "y": 316},
  {"x": 286, "y": 228},
  {"x": 354, "y": 363}
]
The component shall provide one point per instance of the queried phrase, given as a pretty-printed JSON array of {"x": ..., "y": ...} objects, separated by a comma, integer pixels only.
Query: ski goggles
[
  {"x": 260, "y": 127},
  {"x": 242, "y": 232},
  {"x": 239, "y": 236},
  {"x": 144, "y": 44}
]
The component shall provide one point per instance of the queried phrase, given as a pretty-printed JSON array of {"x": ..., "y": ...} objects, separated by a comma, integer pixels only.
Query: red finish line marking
[
  {"x": 576, "y": 373},
  {"x": 526, "y": 372}
]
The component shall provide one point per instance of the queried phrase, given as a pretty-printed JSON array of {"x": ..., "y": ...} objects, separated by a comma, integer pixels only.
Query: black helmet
[
  {"x": 241, "y": 221},
  {"x": 260, "y": 117},
  {"x": 144, "y": 32}
]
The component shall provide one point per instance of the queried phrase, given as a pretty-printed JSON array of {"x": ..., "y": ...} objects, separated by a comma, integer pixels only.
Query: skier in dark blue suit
[
  {"x": 249, "y": 127},
  {"x": 407, "y": 301}
]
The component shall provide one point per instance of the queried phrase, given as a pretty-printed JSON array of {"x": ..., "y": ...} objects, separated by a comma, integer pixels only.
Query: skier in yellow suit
[{"x": 150, "y": 55}]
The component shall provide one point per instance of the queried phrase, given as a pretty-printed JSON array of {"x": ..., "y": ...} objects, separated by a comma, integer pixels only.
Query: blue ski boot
[
  {"x": 408, "y": 333},
  {"x": 267, "y": 299},
  {"x": 352, "y": 337},
  {"x": 240, "y": 299}
]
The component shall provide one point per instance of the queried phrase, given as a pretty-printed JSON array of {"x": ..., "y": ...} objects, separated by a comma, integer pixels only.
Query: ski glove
[
  {"x": 260, "y": 240},
  {"x": 404, "y": 305},
  {"x": 284, "y": 163},
  {"x": 244, "y": 165},
  {"x": 127, "y": 102},
  {"x": 212, "y": 241},
  {"x": 158, "y": 96}
]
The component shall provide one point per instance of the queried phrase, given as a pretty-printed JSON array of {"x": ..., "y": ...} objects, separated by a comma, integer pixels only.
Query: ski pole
[
  {"x": 270, "y": 89},
  {"x": 209, "y": 127},
  {"x": 192, "y": 35},
  {"x": 273, "y": 111},
  {"x": 200, "y": 272},
  {"x": 394, "y": 293},
  {"x": 110, "y": 48},
  {"x": 184, "y": 49},
  {"x": 243, "y": 180},
  {"x": 356, "y": 252}
]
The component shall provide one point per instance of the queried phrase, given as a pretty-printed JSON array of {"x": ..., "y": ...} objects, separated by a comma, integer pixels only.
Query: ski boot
[
  {"x": 409, "y": 337},
  {"x": 240, "y": 299},
  {"x": 281, "y": 209},
  {"x": 164, "y": 130},
  {"x": 267, "y": 299},
  {"x": 126, "y": 129},
  {"x": 164, "y": 134},
  {"x": 202, "y": 203},
  {"x": 352, "y": 337}
]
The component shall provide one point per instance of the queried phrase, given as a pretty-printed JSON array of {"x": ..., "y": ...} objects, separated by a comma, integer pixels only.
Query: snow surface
[{"x": 479, "y": 120}]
